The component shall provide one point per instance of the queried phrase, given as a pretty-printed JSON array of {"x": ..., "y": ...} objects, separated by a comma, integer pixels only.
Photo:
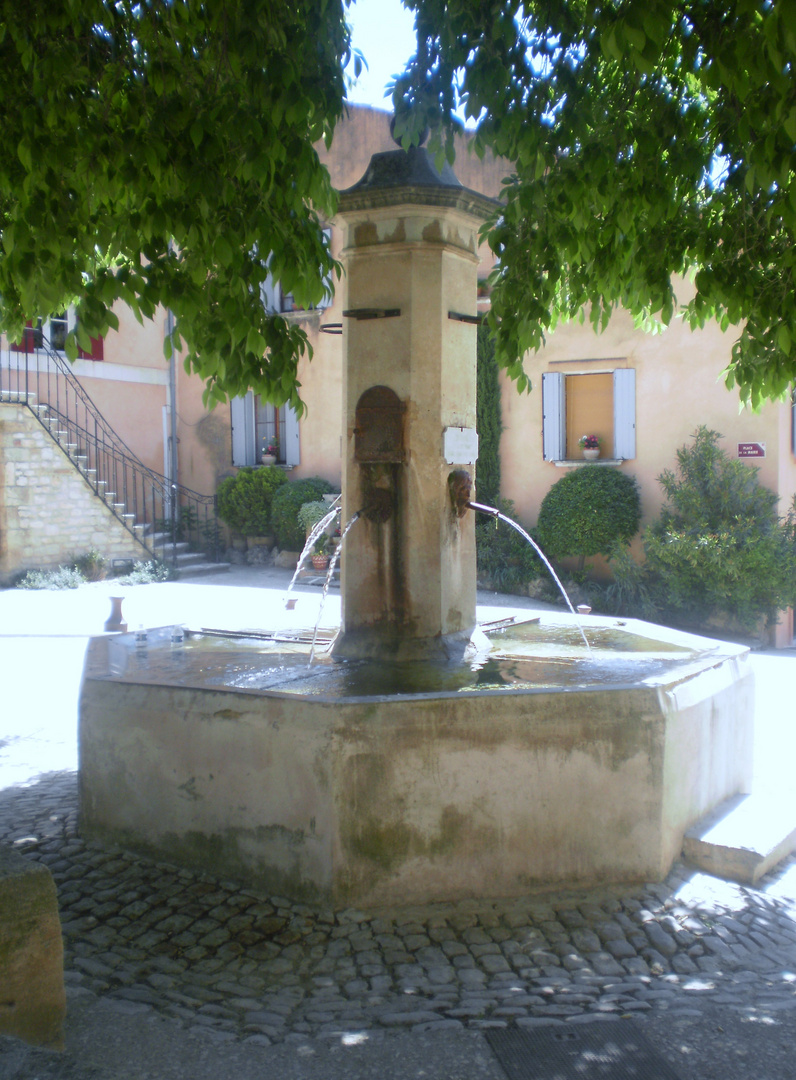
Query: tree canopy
[
  {"x": 649, "y": 138},
  {"x": 161, "y": 152}
]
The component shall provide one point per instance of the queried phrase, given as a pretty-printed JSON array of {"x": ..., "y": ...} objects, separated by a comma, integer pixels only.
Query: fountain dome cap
[{"x": 395, "y": 176}]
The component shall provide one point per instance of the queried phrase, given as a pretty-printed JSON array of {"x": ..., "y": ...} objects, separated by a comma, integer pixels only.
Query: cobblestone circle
[{"x": 235, "y": 963}]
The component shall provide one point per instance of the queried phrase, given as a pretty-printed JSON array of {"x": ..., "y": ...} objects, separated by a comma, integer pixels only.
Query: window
[
  {"x": 255, "y": 423},
  {"x": 278, "y": 302},
  {"x": 597, "y": 403},
  {"x": 52, "y": 332}
]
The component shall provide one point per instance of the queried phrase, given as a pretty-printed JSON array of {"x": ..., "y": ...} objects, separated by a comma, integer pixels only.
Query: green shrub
[
  {"x": 489, "y": 420},
  {"x": 628, "y": 592},
  {"x": 245, "y": 501},
  {"x": 590, "y": 511},
  {"x": 310, "y": 513},
  {"x": 502, "y": 555},
  {"x": 65, "y": 577},
  {"x": 148, "y": 573},
  {"x": 287, "y": 502},
  {"x": 719, "y": 546},
  {"x": 92, "y": 566}
]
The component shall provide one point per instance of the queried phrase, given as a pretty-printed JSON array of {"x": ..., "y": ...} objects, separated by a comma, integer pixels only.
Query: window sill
[{"x": 578, "y": 463}]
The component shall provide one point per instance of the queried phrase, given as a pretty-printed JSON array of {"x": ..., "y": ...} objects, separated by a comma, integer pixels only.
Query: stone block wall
[{"x": 48, "y": 513}]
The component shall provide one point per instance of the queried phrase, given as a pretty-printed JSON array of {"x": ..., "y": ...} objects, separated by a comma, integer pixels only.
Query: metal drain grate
[{"x": 615, "y": 1051}]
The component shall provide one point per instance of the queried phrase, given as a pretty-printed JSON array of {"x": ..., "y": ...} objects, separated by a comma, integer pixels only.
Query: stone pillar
[
  {"x": 32, "y": 998},
  {"x": 409, "y": 399}
]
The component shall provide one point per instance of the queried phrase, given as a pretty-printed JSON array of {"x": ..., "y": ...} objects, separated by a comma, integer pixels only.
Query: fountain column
[{"x": 409, "y": 400}]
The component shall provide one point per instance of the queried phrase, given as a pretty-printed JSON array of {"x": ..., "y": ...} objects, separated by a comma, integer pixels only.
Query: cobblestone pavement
[{"x": 235, "y": 963}]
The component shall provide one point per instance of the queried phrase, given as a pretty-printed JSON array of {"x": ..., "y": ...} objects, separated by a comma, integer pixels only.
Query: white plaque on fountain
[{"x": 460, "y": 445}]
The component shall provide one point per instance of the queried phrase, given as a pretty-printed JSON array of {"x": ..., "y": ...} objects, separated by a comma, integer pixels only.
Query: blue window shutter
[
  {"x": 244, "y": 449},
  {"x": 292, "y": 445},
  {"x": 269, "y": 291},
  {"x": 554, "y": 417},
  {"x": 625, "y": 413}
]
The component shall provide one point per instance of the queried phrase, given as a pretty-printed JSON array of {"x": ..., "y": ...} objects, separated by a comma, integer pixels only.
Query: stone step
[
  {"x": 188, "y": 558},
  {"x": 203, "y": 569},
  {"x": 14, "y": 397},
  {"x": 168, "y": 550},
  {"x": 743, "y": 837}
]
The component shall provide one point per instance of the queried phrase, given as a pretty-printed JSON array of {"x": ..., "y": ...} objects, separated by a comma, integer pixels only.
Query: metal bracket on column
[
  {"x": 457, "y": 316},
  {"x": 372, "y": 313}
]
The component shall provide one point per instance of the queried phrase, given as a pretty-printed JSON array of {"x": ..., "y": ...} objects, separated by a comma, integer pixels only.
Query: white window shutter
[
  {"x": 244, "y": 449},
  {"x": 625, "y": 413},
  {"x": 554, "y": 417},
  {"x": 292, "y": 455}
]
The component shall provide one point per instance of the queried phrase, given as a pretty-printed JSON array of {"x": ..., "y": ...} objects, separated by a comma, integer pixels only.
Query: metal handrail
[{"x": 160, "y": 514}]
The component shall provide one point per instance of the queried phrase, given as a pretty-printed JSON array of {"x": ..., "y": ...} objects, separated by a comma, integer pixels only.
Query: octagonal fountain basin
[{"x": 539, "y": 763}]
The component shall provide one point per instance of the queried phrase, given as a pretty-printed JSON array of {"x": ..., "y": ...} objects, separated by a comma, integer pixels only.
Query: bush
[
  {"x": 310, "y": 513},
  {"x": 245, "y": 501},
  {"x": 287, "y": 502},
  {"x": 65, "y": 577},
  {"x": 92, "y": 566},
  {"x": 489, "y": 419},
  {"x": 589, "y": 511},
  {"x": 502, "y": 555},
  {"x": 719, "y": 546},
  {"x": 147, "y": 573}
]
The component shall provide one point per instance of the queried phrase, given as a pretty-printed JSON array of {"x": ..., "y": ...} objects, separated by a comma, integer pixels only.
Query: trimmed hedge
[
  {"x": 588, "y": 512},
  {"x": 290, "y": 535},
  {"x": 245, "y": 500},
  {"x": 489, "y": 420}
]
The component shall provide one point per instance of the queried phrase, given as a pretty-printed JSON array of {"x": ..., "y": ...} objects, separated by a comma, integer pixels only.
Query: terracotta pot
[{"x": 320, "y": 562}]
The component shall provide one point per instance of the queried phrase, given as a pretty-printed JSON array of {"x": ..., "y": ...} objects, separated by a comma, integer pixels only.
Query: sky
[{"x": 383, "y": 31}]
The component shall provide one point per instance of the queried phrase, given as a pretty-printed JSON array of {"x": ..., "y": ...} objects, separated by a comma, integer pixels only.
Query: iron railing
[{"x": 162, "y": 515}]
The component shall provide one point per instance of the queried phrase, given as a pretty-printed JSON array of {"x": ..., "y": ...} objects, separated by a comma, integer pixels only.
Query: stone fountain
[{"x": 408, "y": 766}]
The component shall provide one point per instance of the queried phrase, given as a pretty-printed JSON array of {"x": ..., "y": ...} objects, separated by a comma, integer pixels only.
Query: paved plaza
[{"x": 709, "y": 968}]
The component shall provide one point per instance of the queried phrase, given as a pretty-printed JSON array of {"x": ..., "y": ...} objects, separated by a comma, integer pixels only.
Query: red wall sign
[{"x": 751, "y": 449}]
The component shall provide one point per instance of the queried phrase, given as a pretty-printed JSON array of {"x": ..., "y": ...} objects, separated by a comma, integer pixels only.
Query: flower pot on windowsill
[
  {"x": 591, "y": 453},
  {"x": 268, "y": 459}
]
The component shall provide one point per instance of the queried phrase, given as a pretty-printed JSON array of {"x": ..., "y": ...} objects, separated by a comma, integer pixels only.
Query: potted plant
[
  {"x": 591, "y": 446},
  {"x": 321, "y": 554},
  {"x": 270, "y": 451}
]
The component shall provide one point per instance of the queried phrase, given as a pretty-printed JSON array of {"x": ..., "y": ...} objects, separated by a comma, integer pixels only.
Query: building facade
[{"x": 642, "y": 394}]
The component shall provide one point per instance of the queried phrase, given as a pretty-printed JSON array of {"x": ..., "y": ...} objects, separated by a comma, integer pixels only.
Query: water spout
[
  {"x": 317, "y": 530},
  {"x": 329, "y": 578},
  {"x": 495, "y": 513}
]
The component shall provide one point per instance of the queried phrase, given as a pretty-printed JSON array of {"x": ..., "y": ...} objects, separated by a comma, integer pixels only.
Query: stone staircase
[
  {"x": 142, "y": 500},
  {"x": 183, "y": 559}
]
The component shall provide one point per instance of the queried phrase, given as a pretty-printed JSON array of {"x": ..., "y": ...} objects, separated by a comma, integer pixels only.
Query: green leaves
[
  {"x": 647, "y": 139},
  {"x": 148, "y": 153}
]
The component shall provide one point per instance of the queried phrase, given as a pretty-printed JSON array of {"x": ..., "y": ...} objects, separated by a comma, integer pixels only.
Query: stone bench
[{"x": 32, "y": 998}]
